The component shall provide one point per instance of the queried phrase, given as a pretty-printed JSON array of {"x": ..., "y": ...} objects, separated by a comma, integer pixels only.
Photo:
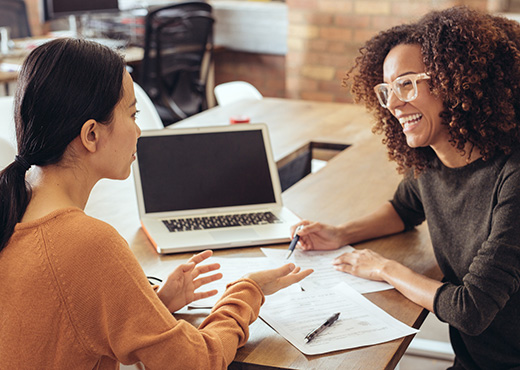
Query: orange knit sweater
[{"x": 73, "y": 296}]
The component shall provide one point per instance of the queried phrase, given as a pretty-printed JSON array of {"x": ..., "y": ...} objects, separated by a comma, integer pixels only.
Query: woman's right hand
[
  {"x": 317, "y": 236},
  {"x": 271, "y": 281}
]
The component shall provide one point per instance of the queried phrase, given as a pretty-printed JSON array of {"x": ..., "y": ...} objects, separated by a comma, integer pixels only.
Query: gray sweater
[{"x": 473, "y": 218}]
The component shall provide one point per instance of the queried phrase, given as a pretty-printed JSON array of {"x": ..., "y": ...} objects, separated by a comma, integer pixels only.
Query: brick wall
[
  {"x": 325, "y": 35},
  {"x": 265, "y": 72},
  {"x": 33, "y": 12}
]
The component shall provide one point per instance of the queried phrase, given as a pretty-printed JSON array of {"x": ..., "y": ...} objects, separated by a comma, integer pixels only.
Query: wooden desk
[
  {"x": 353, "y": 183},
  {"x": 132, "y": 55},
  {"x": 7, "y": 76}
]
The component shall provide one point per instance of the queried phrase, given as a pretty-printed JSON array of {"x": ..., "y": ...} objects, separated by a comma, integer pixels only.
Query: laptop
[{"x": 209, "y": 187}]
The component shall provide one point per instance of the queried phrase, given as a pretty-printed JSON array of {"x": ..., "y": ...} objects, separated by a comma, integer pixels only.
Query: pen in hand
[
  {"x": 331, "y": 320},
  {"x": 294, "y": 241}
]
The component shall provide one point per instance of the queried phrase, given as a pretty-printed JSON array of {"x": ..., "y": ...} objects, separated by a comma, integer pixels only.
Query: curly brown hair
[{"x": 473, "y": 59}]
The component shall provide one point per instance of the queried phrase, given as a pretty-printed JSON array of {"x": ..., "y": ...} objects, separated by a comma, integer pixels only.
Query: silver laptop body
[{"x": 199, "y": 188}]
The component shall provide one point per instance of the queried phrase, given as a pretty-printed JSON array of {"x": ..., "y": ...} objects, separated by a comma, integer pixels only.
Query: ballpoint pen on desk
[
  {"x": 331, "y": 320},
  {"x": 294, "y": 241}
]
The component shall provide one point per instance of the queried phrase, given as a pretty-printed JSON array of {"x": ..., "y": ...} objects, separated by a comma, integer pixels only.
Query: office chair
[
  {"x": 174, "y": 73},
  {"x": 13, "y": 14},
  {"x": 230, "y": 92}
]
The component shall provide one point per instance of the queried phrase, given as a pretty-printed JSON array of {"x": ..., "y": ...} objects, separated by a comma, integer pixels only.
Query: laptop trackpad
[{"x": 233, "y": 235}]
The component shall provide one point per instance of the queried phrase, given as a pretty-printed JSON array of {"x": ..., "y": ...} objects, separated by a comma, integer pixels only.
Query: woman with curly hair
[{"x": 446, "y": 95}]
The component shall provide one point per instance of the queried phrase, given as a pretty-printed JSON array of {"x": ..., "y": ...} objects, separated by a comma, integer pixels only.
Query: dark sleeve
[
  {"x": 407, "y": 203},
  {"x": 494, "y": 274}
]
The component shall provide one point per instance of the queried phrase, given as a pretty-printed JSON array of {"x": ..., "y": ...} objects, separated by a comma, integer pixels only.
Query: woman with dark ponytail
[
  {"x": 47, "y": 119},
  {"x": 72, "y": 294}
]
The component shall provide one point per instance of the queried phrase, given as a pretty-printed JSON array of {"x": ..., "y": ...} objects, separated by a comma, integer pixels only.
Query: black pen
[
  {"x": 331, "y": 320},
  {"x": 294, "y": 241}
]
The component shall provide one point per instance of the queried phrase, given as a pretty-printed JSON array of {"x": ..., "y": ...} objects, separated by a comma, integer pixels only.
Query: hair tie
[{"x": 22, "y": 162}]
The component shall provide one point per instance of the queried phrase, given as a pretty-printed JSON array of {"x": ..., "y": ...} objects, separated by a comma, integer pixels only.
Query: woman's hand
[
  {"x": 368, "y": 264},
  {"x": 364, "y": 263},
  {"x": 317, "y": 236},
  {"x": 179, "y": 288},
  {"x": 273, "y": 280}
]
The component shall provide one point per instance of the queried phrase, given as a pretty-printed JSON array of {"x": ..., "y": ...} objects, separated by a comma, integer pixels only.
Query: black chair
[
  {"x": 177, "y": 39},
  {"x": 13, "y": 14}
]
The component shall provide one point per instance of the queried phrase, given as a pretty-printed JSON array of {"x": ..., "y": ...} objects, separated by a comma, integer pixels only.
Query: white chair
[
  {"x": 231, "y": 92},
  {"x": 7, "y": 153},
  {"x": 7, "y": 129},
  {"x": 148, "y": 117}
]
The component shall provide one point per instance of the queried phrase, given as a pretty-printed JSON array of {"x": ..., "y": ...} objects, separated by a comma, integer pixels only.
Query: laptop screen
[{"x": 204, "y": 170}]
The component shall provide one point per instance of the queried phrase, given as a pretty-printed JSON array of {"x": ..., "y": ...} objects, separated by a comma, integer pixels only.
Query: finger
[
  {"x": 277, "y": 272},
  {"x": 202, "y": 295},
  {"x": 344, "y": 268},
  {"x": 206, "y": 280},
  {"x": 282, "y": 270},
  {"x": 294, "y": 278},
  {"x": 304, "y": 273},
  {"x": 309, "y": 228},
  {"x": 300, "y": 225},
  {"x": 346, "y": 258},
  {"x": 204, "y": 269},
  {"x": 294, "y": 227},
  {"x": 199, "y": 257},
  {"x": 303, "y": 244},
  {"x": 187, "y": 267},
  {"x": 351, "y": 269}
]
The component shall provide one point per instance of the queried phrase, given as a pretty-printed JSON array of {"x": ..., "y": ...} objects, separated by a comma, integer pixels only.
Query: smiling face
[{"x": 420, "y": 119}]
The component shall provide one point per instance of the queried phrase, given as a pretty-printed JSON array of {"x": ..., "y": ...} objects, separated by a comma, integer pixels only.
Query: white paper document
[
  {"x": 324, "y": 275},
  {"x": 232, "y": 269},
  {"x": 293, "y": 314}
]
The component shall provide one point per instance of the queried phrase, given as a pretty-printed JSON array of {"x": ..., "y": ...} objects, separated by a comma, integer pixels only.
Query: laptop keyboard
[{"x": 214, "y": 222}]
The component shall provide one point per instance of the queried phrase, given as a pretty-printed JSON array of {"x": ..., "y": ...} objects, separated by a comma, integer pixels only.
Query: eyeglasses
[{"x": 404, "y": 87}]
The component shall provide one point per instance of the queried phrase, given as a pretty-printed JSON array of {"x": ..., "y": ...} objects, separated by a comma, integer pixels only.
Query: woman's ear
[{"x": 90, "y": 135}]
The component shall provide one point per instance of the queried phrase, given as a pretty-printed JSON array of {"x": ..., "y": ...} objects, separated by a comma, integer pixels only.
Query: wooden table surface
[
  {"x": 16, "y": 57},
  {"x": 353, "y": 183}
]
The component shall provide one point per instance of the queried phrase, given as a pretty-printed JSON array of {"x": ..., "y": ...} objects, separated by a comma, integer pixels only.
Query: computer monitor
[{"x": 53, "y": 9}]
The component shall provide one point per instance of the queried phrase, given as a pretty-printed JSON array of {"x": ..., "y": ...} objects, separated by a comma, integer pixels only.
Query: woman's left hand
[
  {"x": 364, "y": 263},
  {"x": 179, "y": 288}
]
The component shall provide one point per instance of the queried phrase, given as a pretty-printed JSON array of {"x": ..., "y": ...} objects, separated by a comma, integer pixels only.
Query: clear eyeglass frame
[{"x": 404, "y": 88}]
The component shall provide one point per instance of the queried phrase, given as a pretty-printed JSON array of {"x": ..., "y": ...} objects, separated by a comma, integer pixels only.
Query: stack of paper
[
  {"x": 293, "y": 314},
  {"x": 324, "y": 275},
  {"x": 295, "y": 311}
]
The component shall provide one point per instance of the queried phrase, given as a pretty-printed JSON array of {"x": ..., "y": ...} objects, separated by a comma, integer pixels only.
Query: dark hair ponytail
[{"x": 62, "y": 84}]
